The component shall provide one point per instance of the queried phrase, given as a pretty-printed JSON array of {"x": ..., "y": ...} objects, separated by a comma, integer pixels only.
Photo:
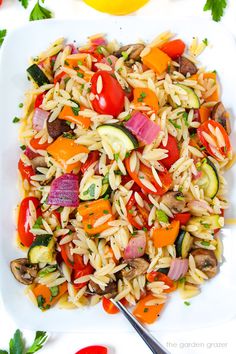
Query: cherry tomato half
[
  {"x": 219, "y": 149},
  {"x": 109, "y": 95},
  {"x": 39, "y": 100},
  {"x": 173, "y": 152},
  {"x": 182, "y": 217},
  {"x": 88, "y": 269},
  {"x": 143, "y": 213},
  {"x": 94, "y": 349},
  {"x": 109, "y": 307},
  {"x": 173, "y": 48},
  {"x": 25, "y": 171},
  {"x": 26, "y": 237},
  {"x": 74, "y": 261}
]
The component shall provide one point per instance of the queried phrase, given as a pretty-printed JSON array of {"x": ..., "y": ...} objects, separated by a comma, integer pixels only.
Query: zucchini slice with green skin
[
  {"x": 42, "y": 249},
  {"x": 209, "y": 181},
  {"x": 212, "y": 222},
  {"x": 193, "y": 100},
  {"x": 118, "y": 135},
  {"x": 183, "y": 244},
  {"x": 164, "y": 270},
  {"x": 88, "y": 191},
  {"x": 37, "y": 75}
]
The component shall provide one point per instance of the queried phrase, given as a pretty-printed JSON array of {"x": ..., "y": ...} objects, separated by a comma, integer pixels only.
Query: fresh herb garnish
[
  {"x": 21, "y": 105},
  {"x": 116, "y": 157},
  {"x": 38, "y": 223},
  {"x": 15, "y": 120},
  {"x": 207, "y": 226},
  {"x": 24, "y": 3},
  {"x": 69, "y": 136},
  {"x": 76, "y": 110},
  {"x": 105, "y": 179},
  {"x": 185, "y": 118},
  {"x": 109, "y": 61},
  {"x": 23, "y": 147},
  {"x": 177, "y": 126},
  {"x": 205, "y": 41},
  {"x": 216, "y": 7},
  {"x": 205, "y": 243},
  {"x": 127, "y": 155},
  {"x": 182, "y": 280},
  {"x": 145, "y": 309},
  {"x": 105, "y": 211},
  {"x": 144, "y": 229},
  {"x": 100, "y": 49},
  {"x": 89, "y": 226},
  {"x": 125, "y": 55},
  {"x": 39, "y": 12},
  {"x": 41, "y": 301},
  {"x": 106, "y": 197},
  {"x": 54, "y": 290},
  {"x": 187, "y": 303},
  {"x": 127, "y": 117},
  {"x": 161, "y": 216},
  {"x": 142, "y": 96},
  {"x": 39, "y": 341},
  {"x": 2, "y": 36},
  {"x": 81, "y": 75}
]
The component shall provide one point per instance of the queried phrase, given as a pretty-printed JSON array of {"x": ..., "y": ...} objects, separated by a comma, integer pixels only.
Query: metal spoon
[{"x": 152, "y": 343}]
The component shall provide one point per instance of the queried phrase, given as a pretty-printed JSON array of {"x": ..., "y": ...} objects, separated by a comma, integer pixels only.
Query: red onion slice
[
  {"x": 64, "y": 191},
  {"x": 39, "y": 118},
  {"x": 143, "y": 128},
  {"x": 178, "y": 268},
  {"x": 136, "y": 247}
]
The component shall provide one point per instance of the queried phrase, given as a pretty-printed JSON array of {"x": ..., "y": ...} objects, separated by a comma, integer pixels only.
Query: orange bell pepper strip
[
  {"x": 73, "y": 60},
  {"x": 205, "y": 113},
  {"x": 63, "y": 149},
  {"x": 146, "y": 97},
  {"x": 166, "y": 235},
  {"x": 157, "y": 60},
  {"x": 72, "y": 116},
  {"x": 147, "y": 313},
  {"x": 44, "y": 295},
  {"x": 92, "y": 211}
]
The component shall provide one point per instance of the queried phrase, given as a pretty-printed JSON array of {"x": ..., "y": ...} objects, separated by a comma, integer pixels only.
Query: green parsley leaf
[
  {"x": 38, "y": 223},
  {"x": 15, "y": 120},
  {"x": 216, "y": 7},
  {"x": 24, "y": 3},
  {"x": 69, "y": 136},
  {"x": 142, "y": 96},
  {"x": 76, "y": 110},
  {"x": 205, "y": 41},
  {"x": 81, "y": 75},
  {"x": 187, "y": 303},
  {"x": 116, "y": 157},
  {"x": 161, "y": 216},
  {"x": 182, "y": 280},
  {"x": 105, "y": 211},
  {"x": 39, "y": 13},
  {"x": 23, "y": 147},
  {"x": 40, "y": 300},
  {"x": 99, "y": 49},
  {"x": 145, "y": 309},
  {"x": 39, "y": 341},
  {"x": 109, "y": 61},
  {"x": 16, "y": 345},
  {"x": 205, "y": 243},
  {"x": 125, "y": 55},
  {"x": 54, "y": 290},
  {"x": 89, "y": 226},
  {"x": 177, "y": 126},
  {"x": 127, "y": 117},
  {"x": 185, "y": 118},
  {"x": 3, "y": 352}
]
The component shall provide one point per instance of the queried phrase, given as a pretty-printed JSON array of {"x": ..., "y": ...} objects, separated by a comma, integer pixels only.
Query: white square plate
[{"x": 216, "y": 302}]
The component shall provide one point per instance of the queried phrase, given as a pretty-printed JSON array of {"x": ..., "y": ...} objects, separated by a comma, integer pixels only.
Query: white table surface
[{"x": 214, "y": 340}]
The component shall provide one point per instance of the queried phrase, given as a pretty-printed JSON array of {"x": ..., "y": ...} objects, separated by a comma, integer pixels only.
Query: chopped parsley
[
  {"x": 21, "y": 105},
  {"x": 144, "y": 229},
  {"x": 89, "y": 226},
  {"x": 161, "y": 216},
  {"x": 109, "y": 61},
  {"x": 80, "y": 74},
  {"x": 38, "y": 223},
  {"x": 127, "y": 155},
  {"x": 23, "y": 147},
  {"x": 116, "y": 157},
  {"x": 127, "y": 117},
  {"x": 205, "y": 243},
  {"x": 185, "y": 118},
  {"x": 145, "y": 309},
  {"x": 207, "y": 226},
  {"x": 205, "y": 41},
  {"x": 41, "y": 301},
  {"x": 130, "y": 211},
  {"x": 15, "y": 120},
  {"x": 76, "y": 110},
  {"x": 125, "y": 55},
  {"x": 54, "y": 291},
  {"x": 142, "y": 96},
  {"x": 187, "y": 303},
  {"x": 69, "y": 136},
  {"x": 80, "y": 62},
  {"x": 182, "y": 280},
  {"x": 177, "y": 126},
  {"x": 24, "y": 3},
  {"x": 105, "y": 211}
]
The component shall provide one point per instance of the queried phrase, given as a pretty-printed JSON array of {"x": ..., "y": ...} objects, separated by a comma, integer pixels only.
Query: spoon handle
[{"x": 151, "y": 342}]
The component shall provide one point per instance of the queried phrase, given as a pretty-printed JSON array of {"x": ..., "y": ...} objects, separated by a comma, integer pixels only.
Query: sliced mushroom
[
  {"x": 39, "y": 161},
  {"x": 134, "y": 268},
  {"x": 175, "y": 201},
  {"x": 57, "y": 127},
  {"x": 220, "y": 115},
  {"x": 110, "y": 289},
  {"x": 186, "y": 66},
  {"x": 24, "y": 271},
  {"x": 205, "y": 261},
  {"x": 135, "y": 52}
]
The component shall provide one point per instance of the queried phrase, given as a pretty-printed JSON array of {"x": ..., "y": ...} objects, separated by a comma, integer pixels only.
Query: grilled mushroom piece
[
  {"x": 220, "y": 115},
  {"x": 134, "y": 54},
  {"x": 134, "y": 268},
  {"x": 205, "y": 261},
  {"x": 57, "y": 127},
  {"x": 39, "y": 161},
  {"x": 110, "y": 289},
  {"x": 175, "y": 201},
  {"x": 186, "y": 66},
  {"x": 24, "y": 271}
]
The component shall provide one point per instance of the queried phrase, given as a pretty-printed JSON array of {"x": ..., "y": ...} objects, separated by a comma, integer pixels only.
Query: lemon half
[{"x": 116, "y": 7}]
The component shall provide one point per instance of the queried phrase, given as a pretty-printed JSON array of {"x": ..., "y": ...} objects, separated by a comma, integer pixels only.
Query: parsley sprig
[
  {"x": 17, "y": 346},
  {"x": 2, "y": 35},
  {"x": 24, "y": 3},
  {"x": 39, "y": 12},
  {"x": 216, "y": 7}
]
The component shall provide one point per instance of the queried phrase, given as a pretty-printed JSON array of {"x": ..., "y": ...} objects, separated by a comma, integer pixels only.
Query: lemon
[{"x": 116, "y": 7}]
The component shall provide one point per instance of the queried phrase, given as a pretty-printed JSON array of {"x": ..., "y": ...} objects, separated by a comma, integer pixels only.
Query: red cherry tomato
[
  {"x": 34, "y": 142},
  {"x": 173, "y": 48},
  {"x": 58, "y": 77},
  {"x": 110, "y": 97},
  {"x": 182, "y": 217},
  {"x": 26, "y": 237},
  {"x": 39, "y": 100},
  {"x": 25, "y": 171},
  {"x": 109, "y": 307},
  {"x": 92, "y": 157},
  {"x": 222, "y": 150},
  {"x": 143, "y": 213},
  {"x": 88, "y": 269},
  {"x": 74, "y": 261},
  {"x": 94, "y": 51},
  {"x": 173, "y": 152},
  {"x": 158, "y": 276},
  {"x": 94, "y": 349}
]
